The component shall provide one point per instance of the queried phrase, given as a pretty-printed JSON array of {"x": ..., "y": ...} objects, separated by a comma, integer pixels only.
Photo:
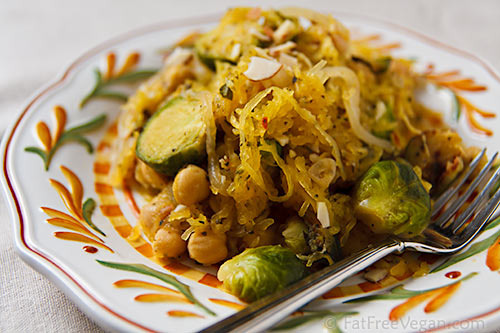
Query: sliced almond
[
  {"x": 284, "y": 32},
  {"x": 282, "y": 48},
  {"x": 235, "y": 52},
  {"x": 259, "y": 35},
  {"x": 323, "y": 215},
  {"x": 376, "y": 274},
  {"x": 178, "y": 57},
  {"x": 262, "y": 69},
  {"x": 283, "y": 78},
  {"x": 288, "y": 60}
]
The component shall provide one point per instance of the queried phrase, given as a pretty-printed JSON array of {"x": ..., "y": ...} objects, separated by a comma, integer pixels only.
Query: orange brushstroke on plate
[
  {"x": 80, "y": 238},
  {"x": 443, "y": 75},
  {"x": 60, "y": 116},
  {"x": 76, "y": 188},
  {"x": 388, "y": 47},
  {"x": 66, "y": 197},
  {"x": 182, "y": 313},
  {"x": 113, "y": 129},
  {"x": 68, "y": 224},
  {"x": 210, "y": 280},
  {"x": 229, "y": 304},
  {"x": 55, "y": 213},
  {"x": 153, "y": 298},
  {"x": 177, "y": 268},
  {"x": 145, "y": 249},
  {"x": 129, "y": 197},
  {"x": 111, "y": 210},
  {"x": 454, "y": 81},
  {"x": 366, "y": 39},
  {"x": 43, "y": 132},
  {"x": 110, "y": 65},
  {"x": 474, "y": 124},
  {"x": 364, "y": 287},
  {"x": 130, "y": 63},
  {"x": 439, "y": 298},
  {"x": 130, "y": 283},
  {"x": 124, "y": 230},
  {"x": 102, "y": 168},
  {"x": 493, "y": 256},
  {"x": 399, "y": 311},
  {"x": 369, "y": 286},
  {"x": 101, "y": 188},
  {"x": 443, "y": 297},
  {"x": 103, "y": 146}
]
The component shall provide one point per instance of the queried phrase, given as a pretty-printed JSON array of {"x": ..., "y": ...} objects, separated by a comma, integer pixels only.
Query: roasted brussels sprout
[
  {"x": 294, "y": 235},
  {"x": 390, "y": 199},
  {"x": 441, "y": 156},
  {"x": 260, "y": 271}
]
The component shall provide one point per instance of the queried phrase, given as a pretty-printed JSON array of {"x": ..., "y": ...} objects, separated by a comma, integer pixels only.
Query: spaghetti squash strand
[
  {"x": 217, "y": 181},
  {"x": 351, "y": 96}
]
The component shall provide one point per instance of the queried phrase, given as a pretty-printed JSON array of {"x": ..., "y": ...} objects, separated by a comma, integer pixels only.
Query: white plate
[{"x": 474, "y": 306}]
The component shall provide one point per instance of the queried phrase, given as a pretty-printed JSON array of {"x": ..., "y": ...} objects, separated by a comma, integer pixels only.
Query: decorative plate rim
[{"x": 53, "y": 271}]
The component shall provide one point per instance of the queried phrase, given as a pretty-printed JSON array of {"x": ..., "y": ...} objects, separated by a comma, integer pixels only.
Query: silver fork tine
[
  {"x": 482, "y": 217},
  {"x": 441, "y": 221},
  {"x": 462, "y": 218},
  {"x": 443, "y": 198}
]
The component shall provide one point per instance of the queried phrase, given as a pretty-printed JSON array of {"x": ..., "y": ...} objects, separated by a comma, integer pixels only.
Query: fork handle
[{"x": 263, "y": 314}]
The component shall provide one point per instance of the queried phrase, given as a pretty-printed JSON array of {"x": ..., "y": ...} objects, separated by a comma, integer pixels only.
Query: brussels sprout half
[
  {"x": 390, "y": 199},
  {"x": 294, "y": 235},
  {"x": 260, "y": 271}
]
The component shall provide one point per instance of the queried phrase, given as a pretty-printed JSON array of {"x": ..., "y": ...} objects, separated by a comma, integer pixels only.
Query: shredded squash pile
[{"x": 293, "y": 113}]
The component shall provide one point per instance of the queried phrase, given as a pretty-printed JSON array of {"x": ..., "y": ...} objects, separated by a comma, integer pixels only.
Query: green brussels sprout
[
  {"x": 390, "y": 199},
  {"x": 294, "y": 235},
  {"x": 260, "y": 271}
]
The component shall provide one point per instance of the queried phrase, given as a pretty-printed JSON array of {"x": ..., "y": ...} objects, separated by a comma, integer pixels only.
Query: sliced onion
[
  {"x": 217, "y": 181},
  {"x": 350, "y": 96}
]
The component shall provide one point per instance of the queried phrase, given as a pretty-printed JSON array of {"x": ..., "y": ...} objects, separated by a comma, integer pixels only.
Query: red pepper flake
[{"x": 265, "y": 122}]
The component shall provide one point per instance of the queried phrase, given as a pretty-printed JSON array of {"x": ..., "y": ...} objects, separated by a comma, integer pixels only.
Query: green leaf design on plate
[
  {"x": 167, "y": 278},
  {"x": 400, "y": 292},
  {"x": 100, "y": 85},
  {"x": 492, "y": 224},
  {"x": 87, "y": 210},
  {"x": 472, "y": 250},
  {"x": 40, "y": 153},
  {"x": 313, "y": 315},
  {"x": 73, "y": 134}
]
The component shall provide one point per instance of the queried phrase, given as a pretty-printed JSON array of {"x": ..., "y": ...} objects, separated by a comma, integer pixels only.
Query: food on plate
[
  {"x": 260, "y": 271},
  {"x": 276, "y": 144},
  {"x": 391, "y": 199}
]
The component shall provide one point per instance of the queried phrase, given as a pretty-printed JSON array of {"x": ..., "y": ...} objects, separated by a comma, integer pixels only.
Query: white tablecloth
[{"x": 39, "y": 38}]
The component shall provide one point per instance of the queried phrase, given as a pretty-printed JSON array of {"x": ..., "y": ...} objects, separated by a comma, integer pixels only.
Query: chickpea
[
  {"x": 191, "y": 185},
  {"x": 168, "y": 243},
  {"x": 207, "y": 247}
]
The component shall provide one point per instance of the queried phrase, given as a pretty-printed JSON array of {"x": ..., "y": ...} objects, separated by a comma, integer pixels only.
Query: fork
[{"x": 444, "y": 235}]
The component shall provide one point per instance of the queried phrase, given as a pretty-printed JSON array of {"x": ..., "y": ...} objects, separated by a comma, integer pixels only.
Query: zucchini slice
[{"x": 174, "y": 136}]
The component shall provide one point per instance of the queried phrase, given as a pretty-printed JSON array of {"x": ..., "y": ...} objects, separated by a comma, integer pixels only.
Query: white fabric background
[{"x": 39, "y": 38}]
